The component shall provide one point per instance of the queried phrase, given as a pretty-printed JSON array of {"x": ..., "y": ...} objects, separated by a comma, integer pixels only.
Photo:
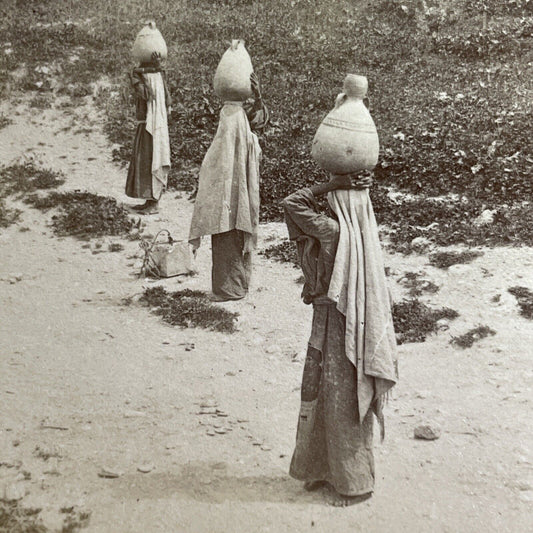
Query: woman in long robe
[
  {"x": 351, "y": 359},
  {"x": 227, "y": 202},
  {"x": 150, "y": 161}
]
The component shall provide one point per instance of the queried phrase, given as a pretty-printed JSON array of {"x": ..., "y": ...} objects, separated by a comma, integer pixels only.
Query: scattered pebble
[
  {"x": 109, "y": 473},
  {"x": 133, "y": 414},
  {"x": 426, "y": 432},
  {"x": 527, "y": 496},
  {"x": 145, "y": 469}
]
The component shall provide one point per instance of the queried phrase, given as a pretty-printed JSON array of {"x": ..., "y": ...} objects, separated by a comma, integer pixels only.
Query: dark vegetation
[
  {"x": 284, "y": 252},
  {"x": 20, "y": 179},
  {"x": 524, "y": 298},
  {"x": 189, "y": 308},
  {"x": 83, "y": 214},
  {"x": 17, "y": 519},
  {"x": 416, "y": 284},
  {"x": 4, "y": 121},
  {"x": 8, "y": 216},
  {"x": 446, "y": 259},
  {"x": 450, "y": 90},
  {"x": 414, "y": 320},
  {"x": 468, "y": 339}
]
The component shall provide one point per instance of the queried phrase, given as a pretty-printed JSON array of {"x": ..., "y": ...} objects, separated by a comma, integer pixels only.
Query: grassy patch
[
  {"x": 416, "y": 284},
  {"x": 414, "y": 321},
  {"x": 467, "y": 340},
  {"x": 524, "y": 298},
  {"x": 16, "y": 519},
  {"x": 42, "y": 101},
  {"x": 284, "y": 252},
  {"x": 20, "y": 179},
  {"x": 7, "y": 216},
  {"x": 74, "y": 520},
  {"x": 449, "y": 92},
  {"x": 448, "y": 258},
  {"x": 188, "y": 308},
  {"x": 115, "y": 247},
  {"x": 4, "y": 121},
  {"x": 84, "y": 214}
]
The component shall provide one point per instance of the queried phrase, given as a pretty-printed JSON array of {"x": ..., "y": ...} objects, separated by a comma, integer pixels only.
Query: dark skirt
[
  {"x": 332, "y": 444},
  {"x": 231, "y": 267},
  {"x": 139, "y": 182}
]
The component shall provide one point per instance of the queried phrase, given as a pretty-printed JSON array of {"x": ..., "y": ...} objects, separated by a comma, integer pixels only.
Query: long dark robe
[
  {"x": 139, "y": 181},
  {"x": 332, "y": 443}
]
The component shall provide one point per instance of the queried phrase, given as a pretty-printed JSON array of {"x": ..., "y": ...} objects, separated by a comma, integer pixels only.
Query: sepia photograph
[{"x": 266, "y": 266}]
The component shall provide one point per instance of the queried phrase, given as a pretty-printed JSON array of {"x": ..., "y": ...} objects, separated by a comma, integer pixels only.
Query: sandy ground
[{"x": 127, "y": 389}]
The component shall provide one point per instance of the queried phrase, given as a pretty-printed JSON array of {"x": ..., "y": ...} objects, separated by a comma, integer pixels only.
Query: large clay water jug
[
  {"x": 232, "y": 77},
  {"x": 347, "y": 140},
  {"x": 149, "y": 40}
]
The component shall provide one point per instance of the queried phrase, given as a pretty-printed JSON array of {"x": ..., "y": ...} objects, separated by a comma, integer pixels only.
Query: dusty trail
[{"x": 129, "y": 388}]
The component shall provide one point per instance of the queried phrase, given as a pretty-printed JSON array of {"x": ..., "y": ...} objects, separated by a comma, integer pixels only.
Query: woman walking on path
[
  {"x": 227, "y": 203},
  {"x": 150, "y": 162},
  {"x": 351, "y": 359}
]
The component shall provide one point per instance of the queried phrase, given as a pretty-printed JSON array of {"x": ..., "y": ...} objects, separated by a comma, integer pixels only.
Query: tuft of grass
[
  {"x": 42, "y": 101},
  {"x": 416, "y": 285},
  {"x": 284, "y": 252},
  {"x": 74, "y": 520},
  {"x": 24, "y": 178},
  {"x": 467, "y": 339},
  {"x": 7, "y": 216},
  {"x": 84, "y": 214},
  {"x": 115, "y": 247},
  {"x": 4, "y": 121},
  {"x": 524, "y": 298},
  {"x": 414, "y": 320},
  {"x": 448, "y": 258},
  {"x": 16, "y": 519},
  {"x": 189, "y": 308}
]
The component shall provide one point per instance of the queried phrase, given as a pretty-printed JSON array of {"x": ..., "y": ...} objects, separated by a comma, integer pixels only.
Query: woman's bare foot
[
  {"x": 314, "y": 485},
  {"x": 342, "y": 500}
]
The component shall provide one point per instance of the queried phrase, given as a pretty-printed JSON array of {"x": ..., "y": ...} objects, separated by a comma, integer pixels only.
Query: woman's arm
[
  {"x": 356, "y": 181},
  {"x": 256, "y": 111},
  {"x": 301, "y": 213}
]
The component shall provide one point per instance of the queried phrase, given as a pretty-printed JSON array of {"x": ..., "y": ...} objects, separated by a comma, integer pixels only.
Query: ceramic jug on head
[
  {"x": 347, "y": 140},
  {"x": 232, "y": 77},
  {"x": 148, "y": 41}
]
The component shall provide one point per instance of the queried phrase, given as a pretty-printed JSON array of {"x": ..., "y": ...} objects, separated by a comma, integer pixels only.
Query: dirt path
[{"x": 128, "y": 388}]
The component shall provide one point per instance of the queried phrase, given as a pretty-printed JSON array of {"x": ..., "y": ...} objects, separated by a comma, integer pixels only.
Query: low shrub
[
  {"x": 24, "y": 178},
  {"x": 84, "y": 214},
  {"x": 284, "y": 252},
  {"x": 446, "y": 259},
  {"x": 524, "y": 298},
  {"x": 414, "y": 320},
  {"x": 416, "y": 284},
  {"x": 468, "y": 339},
  {"x": 17, "y": 519},
  {"x": 7, "y": 216},
  {"x": 189, "y": 308}
]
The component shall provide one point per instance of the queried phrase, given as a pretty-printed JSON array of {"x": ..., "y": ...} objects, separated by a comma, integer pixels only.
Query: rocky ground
[{"x": 193, "y": 430}]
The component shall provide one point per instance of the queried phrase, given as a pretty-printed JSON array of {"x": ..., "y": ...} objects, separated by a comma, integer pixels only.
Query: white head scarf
[{"x": 359, "y": 288}]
